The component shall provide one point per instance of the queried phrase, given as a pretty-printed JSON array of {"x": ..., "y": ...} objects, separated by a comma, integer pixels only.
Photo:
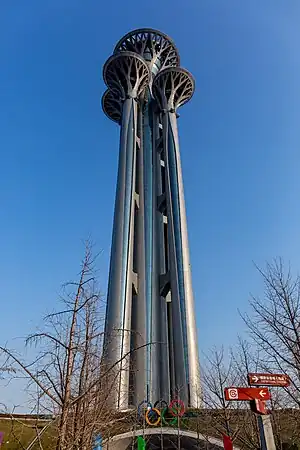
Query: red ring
[{"x": 181, "y": 411}]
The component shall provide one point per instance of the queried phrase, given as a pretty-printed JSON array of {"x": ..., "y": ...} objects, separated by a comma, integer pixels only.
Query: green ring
[{"x": 164, "y": 420}]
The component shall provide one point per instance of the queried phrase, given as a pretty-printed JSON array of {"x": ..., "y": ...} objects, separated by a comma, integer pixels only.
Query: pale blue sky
[{"x": 240, "y": 142}]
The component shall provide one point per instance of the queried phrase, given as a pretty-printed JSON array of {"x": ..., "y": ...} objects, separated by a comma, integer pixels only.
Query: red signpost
[
  {"x": 246, "y": 394},
  {"x": 257, "y": 397},
  {"x": 266, "y": 379}
]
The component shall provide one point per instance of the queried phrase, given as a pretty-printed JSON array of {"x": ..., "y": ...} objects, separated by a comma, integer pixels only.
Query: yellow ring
[{"x": 153, "y": 424}]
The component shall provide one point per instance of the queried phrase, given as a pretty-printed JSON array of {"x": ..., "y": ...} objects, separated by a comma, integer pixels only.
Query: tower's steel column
[
  {"x": 138, "y": 324},
  {"x": 128, "y": 74},
  {"x": 151, "y": 249},
  {"x": 190, "y": 322},
  {"x": 161, "y": 263},
  {"x": 172, "y": 88}
]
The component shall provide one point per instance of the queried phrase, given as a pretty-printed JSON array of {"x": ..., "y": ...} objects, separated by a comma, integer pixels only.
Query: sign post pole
[
  {"x": 267, "y": 440},
  {"x": 263, "y": 443}
]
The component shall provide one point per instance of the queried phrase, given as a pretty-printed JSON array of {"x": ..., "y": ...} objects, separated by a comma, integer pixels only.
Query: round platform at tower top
[{"x": 157, "y": 48}]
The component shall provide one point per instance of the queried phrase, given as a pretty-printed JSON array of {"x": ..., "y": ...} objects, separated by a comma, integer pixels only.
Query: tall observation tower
[{"x": 150, "y": 295}]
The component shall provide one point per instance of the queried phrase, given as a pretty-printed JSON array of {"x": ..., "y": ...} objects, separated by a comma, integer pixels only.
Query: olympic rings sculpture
[{"x": 161, "y": 412}]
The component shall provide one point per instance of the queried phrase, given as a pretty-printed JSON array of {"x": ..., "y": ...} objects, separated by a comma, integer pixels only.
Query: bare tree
[
  {"x": 247, "y": 358},
  {"x": 274, "y": 323},
  {"x": 67, "y": 374},
  {"x": 216, "y": 375},
  {"x": 234, "y": 419},
  {"x": 274, "y": 326}
]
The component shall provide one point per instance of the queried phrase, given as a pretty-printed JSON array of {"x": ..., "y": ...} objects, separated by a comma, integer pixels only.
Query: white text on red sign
[{"x": 268, "y": 380}]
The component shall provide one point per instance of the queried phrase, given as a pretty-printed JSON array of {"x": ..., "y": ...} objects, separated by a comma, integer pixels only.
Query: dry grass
[{"x": 19, "y": 434}]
